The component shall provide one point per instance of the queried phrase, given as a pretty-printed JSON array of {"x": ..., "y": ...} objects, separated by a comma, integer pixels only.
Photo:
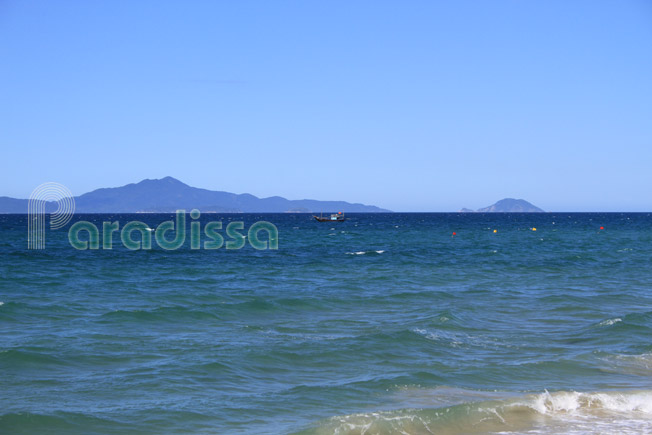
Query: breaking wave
[{"x": 562, "y": 412}]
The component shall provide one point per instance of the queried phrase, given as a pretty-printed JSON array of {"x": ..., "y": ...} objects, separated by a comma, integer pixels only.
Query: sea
[{"x": 397, "y": 323}]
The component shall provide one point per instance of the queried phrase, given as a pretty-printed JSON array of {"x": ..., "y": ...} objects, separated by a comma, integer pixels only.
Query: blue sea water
[{"x": 385, "y": 323}]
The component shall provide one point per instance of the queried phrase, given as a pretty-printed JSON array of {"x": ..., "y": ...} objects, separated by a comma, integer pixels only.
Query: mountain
[
  {"x": 168, "y": 194},
  {"x": 508, "y": 205},
  {"x": 12, "y": 205}
]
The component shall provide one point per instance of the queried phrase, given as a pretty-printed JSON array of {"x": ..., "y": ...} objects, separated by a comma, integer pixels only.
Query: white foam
[
  {"x": 1, "y": 304},
  {"x": 610, "y": 322},
  {"x": 563, "y": 412},
  {"x": 570, "y": 412},
  {"x": 364, "y": 252}
]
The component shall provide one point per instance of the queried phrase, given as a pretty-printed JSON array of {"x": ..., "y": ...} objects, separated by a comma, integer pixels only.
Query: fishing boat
[{"x": 336, "y": 217}]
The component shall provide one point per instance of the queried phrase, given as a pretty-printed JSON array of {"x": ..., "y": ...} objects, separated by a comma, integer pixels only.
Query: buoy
[
  {"x": 534, "y": 229},
  {"x": 602, "y": 228},
  {"x": 454, "y": 233},
  {"x": 495, "y": 231}
]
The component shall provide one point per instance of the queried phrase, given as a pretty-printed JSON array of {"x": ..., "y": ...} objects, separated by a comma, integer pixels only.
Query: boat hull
[{"x": 326, "y": 219}]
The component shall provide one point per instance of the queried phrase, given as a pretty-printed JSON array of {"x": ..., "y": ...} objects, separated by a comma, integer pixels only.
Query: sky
[{"x": 407, "y": 105}]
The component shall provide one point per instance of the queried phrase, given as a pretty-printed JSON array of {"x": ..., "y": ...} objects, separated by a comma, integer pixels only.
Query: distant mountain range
[
  {"x": 168, "y": 194},
  {"x": 507, "y": 205}
]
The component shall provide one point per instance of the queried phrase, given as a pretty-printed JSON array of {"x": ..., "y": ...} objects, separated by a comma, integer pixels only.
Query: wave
[
  {"x": 640, "y": 365},
  {"x": 460, "y": 339},
  {"x": 161, "y": 314},
  {"x": 562, "y": 412},
  {"x": 366, "y": 252},
  {"x": 610, "y": 322}
]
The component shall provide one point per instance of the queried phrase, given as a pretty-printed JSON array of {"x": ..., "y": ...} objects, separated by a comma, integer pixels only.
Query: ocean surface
[{"x": 385, "y": 323}]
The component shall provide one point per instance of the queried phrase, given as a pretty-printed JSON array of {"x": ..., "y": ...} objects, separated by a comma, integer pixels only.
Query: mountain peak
[
  {"x": 160, "y": 183},
  {"x": 168, "y": 180}
]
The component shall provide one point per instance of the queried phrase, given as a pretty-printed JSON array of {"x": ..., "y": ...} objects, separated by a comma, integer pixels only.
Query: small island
[{"x": 507, "y": 205}]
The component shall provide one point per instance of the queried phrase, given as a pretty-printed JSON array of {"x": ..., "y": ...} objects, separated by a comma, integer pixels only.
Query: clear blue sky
[{"x": 408, "y": 105}]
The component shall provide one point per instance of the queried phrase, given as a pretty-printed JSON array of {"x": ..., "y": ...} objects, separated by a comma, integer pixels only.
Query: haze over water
[{"x": 384, "y": 323}]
